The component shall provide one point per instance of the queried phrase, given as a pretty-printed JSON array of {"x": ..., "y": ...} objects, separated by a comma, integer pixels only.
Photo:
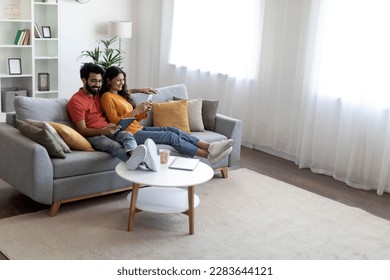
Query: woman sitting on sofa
[{"x": 116, "y": 102}]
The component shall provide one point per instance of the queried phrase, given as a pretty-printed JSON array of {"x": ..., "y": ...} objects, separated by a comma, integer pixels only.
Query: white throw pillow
[{"x": 194, "y": 107}]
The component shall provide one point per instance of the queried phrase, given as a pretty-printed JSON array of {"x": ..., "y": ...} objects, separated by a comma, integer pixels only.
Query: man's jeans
[{"x": 117, "y": 145}]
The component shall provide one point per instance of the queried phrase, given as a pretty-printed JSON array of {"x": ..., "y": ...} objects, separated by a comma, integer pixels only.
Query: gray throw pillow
[
  {"x": 52, "y": 131},
  {"x": 42, "y": 137},
  {"x": 209, "y": 111}
]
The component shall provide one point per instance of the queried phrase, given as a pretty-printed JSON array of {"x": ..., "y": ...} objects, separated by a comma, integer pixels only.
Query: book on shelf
[
  {"x": 22, "y": 37},
  {"x": 17, "y": 37},
  {"x": 26, "y": 40},
  {"x": 37, "y": 33}
]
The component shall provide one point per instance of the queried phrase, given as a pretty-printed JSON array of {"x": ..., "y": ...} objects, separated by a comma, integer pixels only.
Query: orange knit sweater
[{"x": 116, "y": 107}]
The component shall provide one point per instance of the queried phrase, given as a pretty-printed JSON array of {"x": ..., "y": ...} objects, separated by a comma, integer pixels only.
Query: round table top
[{"x": 167, "y": 177}]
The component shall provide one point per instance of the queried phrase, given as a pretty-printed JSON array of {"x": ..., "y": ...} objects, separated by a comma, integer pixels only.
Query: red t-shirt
[{"x": 84, "y": 107}]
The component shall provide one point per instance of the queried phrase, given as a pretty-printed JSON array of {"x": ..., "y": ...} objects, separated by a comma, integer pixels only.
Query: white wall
[{"x": 81, "y": 25}]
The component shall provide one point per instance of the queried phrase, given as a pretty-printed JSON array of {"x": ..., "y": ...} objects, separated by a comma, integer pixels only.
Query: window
[
  {"x": 354, "y": 55},
  {"x": 220, "y": 36}
]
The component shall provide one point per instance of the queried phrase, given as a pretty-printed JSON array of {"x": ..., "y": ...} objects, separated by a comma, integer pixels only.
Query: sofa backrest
[
  {"x": 54, "y": 109},
  {"x": 42, "y": 109},
  {"x": 164, "y": 94}
]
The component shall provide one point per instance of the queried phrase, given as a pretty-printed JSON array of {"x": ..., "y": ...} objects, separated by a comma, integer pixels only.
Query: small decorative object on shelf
[
  {"x": 46, "y": 32},
  {"x": 15, "y": 66},
  {"x": 12, "y": 11},
  {"x": 43, "y": 81}
]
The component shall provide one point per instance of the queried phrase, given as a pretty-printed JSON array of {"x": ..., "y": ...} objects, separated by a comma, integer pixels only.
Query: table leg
[
  {"x": 191, "y": 208},
  {"x": 133, "y": 204}
]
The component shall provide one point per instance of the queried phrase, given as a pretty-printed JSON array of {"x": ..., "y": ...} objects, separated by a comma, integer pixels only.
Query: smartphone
[{"x": 149, "y": 98}]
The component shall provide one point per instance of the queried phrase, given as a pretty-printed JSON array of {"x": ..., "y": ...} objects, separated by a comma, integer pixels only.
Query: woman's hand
[{"x": 143, "y": 107}]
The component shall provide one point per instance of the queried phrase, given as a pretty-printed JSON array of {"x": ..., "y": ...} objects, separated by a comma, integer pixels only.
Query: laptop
[{"x": 183, "y": 163}]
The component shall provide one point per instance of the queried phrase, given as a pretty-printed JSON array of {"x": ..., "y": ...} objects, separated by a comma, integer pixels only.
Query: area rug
[{"x": 247, "y": 216}]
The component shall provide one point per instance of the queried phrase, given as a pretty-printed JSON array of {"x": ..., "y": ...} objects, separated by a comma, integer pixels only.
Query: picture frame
[
  {"x": 14, "y": 66},
  {"x": 46, "y": 32},
  {"x": 43, "y": 81}
]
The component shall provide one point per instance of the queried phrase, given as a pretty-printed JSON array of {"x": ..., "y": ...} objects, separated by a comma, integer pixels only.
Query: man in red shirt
[{"x": 86, "y": 114}]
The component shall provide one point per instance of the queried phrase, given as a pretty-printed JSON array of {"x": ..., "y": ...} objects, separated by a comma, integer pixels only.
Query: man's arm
[
  {"x": 81, "y": 127},
  {"x": 143, "y": 90}
]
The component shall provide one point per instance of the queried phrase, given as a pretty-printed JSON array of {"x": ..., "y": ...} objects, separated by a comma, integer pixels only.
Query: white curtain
[
  {"x": 285, "y": 108},
  {"x": 234, "y": 89},
  {"x": 345, "y": 130}
]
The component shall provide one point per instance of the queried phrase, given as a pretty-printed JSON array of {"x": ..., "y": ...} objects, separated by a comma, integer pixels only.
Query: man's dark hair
[{"x": 88, "y": 68}]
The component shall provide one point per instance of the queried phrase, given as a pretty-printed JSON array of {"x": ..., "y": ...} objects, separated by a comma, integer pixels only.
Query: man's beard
[{"x": 92, "y": 90}]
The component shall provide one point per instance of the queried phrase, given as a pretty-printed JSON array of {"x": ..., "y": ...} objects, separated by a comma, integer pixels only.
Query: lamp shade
[{"x": 121, "y": 29}]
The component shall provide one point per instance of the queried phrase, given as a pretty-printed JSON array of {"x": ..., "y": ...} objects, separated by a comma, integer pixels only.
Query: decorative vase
[{"x": 12, "y": 11}]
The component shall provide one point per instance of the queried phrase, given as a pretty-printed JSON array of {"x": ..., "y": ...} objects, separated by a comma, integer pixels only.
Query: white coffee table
[{"x": 165, "y": 193}]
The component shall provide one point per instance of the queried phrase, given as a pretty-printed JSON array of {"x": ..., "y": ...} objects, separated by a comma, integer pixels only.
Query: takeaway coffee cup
[{"x": 164, "y": 155}]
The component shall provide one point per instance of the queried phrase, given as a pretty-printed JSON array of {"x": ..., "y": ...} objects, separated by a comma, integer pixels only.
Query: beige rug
[{"x": 247, "y": 216}]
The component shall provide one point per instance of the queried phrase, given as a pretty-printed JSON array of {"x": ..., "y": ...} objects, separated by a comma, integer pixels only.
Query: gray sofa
[{"x": 27, "y": 167}]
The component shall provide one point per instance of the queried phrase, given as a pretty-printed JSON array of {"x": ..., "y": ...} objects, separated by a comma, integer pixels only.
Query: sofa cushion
[
  {"x": 173, "y": 113},
  {"x": 209, "y": 136},
  {"x": 72, "y": 138},
  {"x": 52, "y": 131},
  {"x": 42, "y": 137},
  {"x": 81, "y": 163},
  {"x": 42, "y": 109}
]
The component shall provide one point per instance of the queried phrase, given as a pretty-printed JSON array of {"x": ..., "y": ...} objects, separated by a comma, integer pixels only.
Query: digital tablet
[{"x": 125, "y": 122}]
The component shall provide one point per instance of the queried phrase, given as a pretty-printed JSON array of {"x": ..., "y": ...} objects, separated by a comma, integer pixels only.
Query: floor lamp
[{"x": 120, "y": 29}]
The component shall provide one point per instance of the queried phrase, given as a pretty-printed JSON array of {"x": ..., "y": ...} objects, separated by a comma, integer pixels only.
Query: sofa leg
[
  {"x": 223, "y": 170},
  {"x": 54, "y": 208}
]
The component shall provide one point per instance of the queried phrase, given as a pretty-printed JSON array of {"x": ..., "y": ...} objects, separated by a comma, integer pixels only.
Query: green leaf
[{"x": 104, "y": 54}]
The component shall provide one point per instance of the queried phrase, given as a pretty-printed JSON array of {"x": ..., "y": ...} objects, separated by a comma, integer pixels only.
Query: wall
[{"x": 81, "y": 25}]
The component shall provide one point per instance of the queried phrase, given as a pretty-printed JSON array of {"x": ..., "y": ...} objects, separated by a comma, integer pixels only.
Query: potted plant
[{"x": 104, "y": 54}]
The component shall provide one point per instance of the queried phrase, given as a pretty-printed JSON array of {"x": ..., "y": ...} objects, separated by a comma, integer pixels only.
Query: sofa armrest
[
  {"x": 232, "y": 129},
  {"x": 10, "y": 119},
  {"x": 25, "y": 165}
]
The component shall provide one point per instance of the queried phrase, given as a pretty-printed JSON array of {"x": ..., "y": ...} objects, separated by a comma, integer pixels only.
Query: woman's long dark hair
[{"x": 110, "y": 74}]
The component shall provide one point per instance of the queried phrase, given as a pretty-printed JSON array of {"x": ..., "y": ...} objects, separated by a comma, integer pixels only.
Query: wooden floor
[{"x": 13, "y": 203}]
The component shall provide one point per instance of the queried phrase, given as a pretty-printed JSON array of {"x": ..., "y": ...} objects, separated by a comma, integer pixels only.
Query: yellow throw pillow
[
  {"x": 173, "y": 113},
  {"x": 71, "y": 137}
]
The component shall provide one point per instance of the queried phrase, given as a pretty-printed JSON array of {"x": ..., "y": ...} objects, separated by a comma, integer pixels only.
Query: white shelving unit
[{"x": 41, "y": 55}]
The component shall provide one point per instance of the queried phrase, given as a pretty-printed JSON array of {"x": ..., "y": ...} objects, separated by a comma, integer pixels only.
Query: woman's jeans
[
  {"x": 118, "y": 144},
  {"x": 181, "y": 141}
]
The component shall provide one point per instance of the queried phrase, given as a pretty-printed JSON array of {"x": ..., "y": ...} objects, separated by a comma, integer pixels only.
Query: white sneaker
[
  {"x": 216, "y": 148},
  {"x": 213, "y": 159},
  {"x": 138, "y": 155},
  {"x": 152, "y": 160}
]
